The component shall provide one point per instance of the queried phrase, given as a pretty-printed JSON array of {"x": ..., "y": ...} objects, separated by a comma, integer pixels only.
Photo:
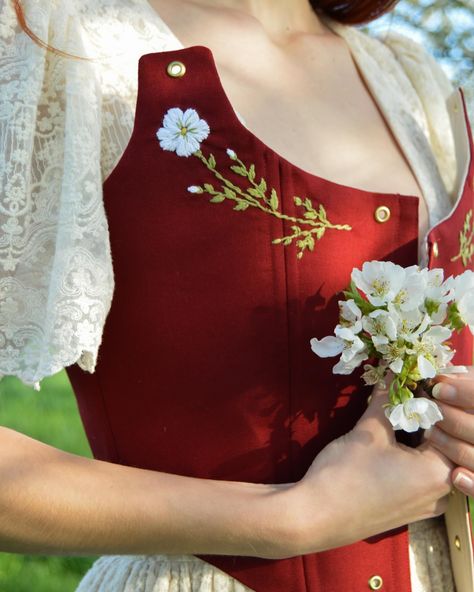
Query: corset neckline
[{"x": 237, "y": 117}]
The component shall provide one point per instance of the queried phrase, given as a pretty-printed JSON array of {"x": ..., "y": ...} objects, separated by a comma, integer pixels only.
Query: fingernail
[
  {"x": 443, "y": 391},
  {"x": 463, "y": 481}
]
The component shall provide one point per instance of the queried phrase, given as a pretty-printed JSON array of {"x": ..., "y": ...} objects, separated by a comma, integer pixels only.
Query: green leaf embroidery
[
  {"x": 306, "y": 229},
  {"x": 466, "y": 241}
]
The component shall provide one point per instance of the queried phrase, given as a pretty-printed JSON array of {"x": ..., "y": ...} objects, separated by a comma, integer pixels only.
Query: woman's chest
[{"x": 306, "y": 99}]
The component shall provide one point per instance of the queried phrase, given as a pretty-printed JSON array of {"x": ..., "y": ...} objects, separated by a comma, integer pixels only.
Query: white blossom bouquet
[{"x": 403, "y": 317}]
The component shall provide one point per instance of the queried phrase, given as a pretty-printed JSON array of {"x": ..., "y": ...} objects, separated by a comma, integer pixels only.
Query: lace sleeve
[
  {"x": 56, "y": 278},
  {"x": 433, "y": 87}
]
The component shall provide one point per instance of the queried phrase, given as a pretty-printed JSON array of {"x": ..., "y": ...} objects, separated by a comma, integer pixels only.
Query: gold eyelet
[
  {"x": 382, "y": 214},
  {"x": 176, "y": 69},
  {"x": 457, "y": 542},
  {"x": 375, "y": 583},
  {"x": 435, "y": 249}
]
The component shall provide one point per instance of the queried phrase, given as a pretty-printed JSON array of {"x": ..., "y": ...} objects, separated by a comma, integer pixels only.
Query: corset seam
[{"x": 107, "y": 416}]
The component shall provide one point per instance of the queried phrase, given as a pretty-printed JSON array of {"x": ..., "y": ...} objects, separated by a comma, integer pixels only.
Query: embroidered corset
[{"x": 227, "y": 260}]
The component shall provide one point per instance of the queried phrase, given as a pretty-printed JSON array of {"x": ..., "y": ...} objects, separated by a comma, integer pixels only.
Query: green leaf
[
  {"x": 239, "y": 170},
  {"x": 322, "y": 213},
  {"x": 241, "y": 206},
  {"x": 254, "y": 192},
  {"x": 310, "y": 215},
  {"x": 298, "y": 201},
  {"x": 251, "y": 172},
  {"x": 310, "y": 242},
  {"x": 274, "y": 200},
  {"x": 208, "y": 187},
  {"x": 211, "y": 161},
  {"x": 229, "y": 193},
  {"x": 219, "y": 198},
  {"x": 262, "y": 185}
]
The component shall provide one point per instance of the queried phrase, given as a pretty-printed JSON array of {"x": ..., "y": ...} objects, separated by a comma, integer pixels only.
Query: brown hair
[{"x": 352, "y": 12}]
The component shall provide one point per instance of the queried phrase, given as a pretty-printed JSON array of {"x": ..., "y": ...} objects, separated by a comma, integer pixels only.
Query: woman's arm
[
  {"x": 362, "y": 484},
  {"x": 53, "y": 502}
]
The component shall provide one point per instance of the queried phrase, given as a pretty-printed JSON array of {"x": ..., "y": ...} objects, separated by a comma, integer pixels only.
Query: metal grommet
[
  {"x": 382, "y": 214},
  {"x": 457, "y": 542},
  {"x": 176, "y": 69},
  {"x": 435, "y": 249},
  {"x": 375, "y": 583}
]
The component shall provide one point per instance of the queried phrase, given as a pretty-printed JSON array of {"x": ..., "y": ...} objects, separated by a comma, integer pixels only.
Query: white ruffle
[{"x": 157, "y": 573}]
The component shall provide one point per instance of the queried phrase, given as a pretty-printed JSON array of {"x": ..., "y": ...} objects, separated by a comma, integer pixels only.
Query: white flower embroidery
[
  {"x": 182, "y": 132},
  {"x": 413, "y": 414}
]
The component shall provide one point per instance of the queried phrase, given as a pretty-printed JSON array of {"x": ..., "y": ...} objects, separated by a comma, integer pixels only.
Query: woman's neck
[{"x": 281, "y": 19}]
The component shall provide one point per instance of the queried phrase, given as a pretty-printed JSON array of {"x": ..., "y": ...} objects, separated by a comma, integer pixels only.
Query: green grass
[{"x": 50, "y": 415}]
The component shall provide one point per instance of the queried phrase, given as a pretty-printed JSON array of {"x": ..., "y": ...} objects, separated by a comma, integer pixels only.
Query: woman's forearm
[{"x": 53, "y": 502}]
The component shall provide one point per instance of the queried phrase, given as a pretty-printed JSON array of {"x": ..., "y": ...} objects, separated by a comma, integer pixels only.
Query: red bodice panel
[{"x": 205, "y": 368}]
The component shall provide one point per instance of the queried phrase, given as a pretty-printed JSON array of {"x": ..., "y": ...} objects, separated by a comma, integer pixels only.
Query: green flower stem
[
  {"x": 466, "y": 241},
  {"x": 256, "y": 204}
]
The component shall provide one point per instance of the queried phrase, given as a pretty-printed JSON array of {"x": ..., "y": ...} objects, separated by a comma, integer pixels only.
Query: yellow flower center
[
  {"x": 184, "y": 130},
  {"x": 379, "y": 288}
]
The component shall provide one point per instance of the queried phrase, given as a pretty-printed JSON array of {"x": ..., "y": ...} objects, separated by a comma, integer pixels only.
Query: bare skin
[
  {"x": 54, "y": 502},
  {"x": 299, "y": 90}
]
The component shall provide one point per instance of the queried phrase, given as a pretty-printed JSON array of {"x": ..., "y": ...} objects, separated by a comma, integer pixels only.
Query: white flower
[
  {"x": 412, "y": 293},
  {"x": 415, "y": 413},
  {"x": 351, "y": 347},
  {"x": 430, "y": 351},
  {"x": 409, "y": 322},
  {"x": 182, "y": 132},
  {"x": 380, "y": 323},
  {"x": 350, "y": 315},
  {"x": 231, "y": 154},
  {"x": 380, "y": 281},
  {"x": 194, "y": 189},
  {"x": 437, "y": 294},
  {"x": 374, "y": 374},
  {"x": 463, "y": 288}
]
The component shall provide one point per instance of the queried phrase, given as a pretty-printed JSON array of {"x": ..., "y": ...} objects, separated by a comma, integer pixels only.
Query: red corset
[{"x": 205, "y": 368}]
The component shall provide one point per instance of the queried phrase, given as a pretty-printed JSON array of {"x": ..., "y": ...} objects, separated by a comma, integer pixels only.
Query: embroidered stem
[
  {"x": 256, "y": 196},
  {"x": 466, "y": 241}
]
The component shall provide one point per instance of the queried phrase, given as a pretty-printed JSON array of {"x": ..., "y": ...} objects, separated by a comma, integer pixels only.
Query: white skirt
[{"x": 430, "y": 568}]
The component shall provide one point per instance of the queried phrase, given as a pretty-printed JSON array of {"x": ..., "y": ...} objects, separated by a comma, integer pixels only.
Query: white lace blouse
[{"x": 64, "y": 124}]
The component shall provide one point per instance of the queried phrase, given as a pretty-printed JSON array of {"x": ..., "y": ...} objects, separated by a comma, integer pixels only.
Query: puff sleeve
[
  {"x": 433, "y": 87},
  {"x": 56, "y": 278}
]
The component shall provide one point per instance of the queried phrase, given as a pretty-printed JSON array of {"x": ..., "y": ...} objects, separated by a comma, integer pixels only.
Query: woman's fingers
[
  {"x": 458, "y": 451},
  {"x": 457, "y": 422},
  {"x": 463, "y": 480},
  {"x": 455, "y": 389}
]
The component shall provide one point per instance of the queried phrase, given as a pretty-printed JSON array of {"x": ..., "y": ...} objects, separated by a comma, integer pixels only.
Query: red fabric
[{"x": 205, "y": 367}]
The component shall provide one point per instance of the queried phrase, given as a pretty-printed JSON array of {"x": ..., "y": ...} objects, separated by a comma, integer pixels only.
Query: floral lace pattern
[{"x": 63, "y": 126}]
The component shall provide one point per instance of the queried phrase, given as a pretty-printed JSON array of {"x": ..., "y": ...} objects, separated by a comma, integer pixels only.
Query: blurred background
[
  {"x": 51, "y": 415},
  {"x": 445, "y": 28}
]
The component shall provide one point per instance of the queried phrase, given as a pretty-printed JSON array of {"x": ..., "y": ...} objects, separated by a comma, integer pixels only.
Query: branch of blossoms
[{"x": 404, "y": 318}]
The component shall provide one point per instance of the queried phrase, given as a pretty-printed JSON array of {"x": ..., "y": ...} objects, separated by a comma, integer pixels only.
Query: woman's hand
[
  {"x": 454, "y": 435},
  {"x": 366, "y": 483}
]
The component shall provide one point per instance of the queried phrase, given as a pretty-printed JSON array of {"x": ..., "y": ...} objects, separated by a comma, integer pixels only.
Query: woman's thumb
[{"x": 374, "y": 418}]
